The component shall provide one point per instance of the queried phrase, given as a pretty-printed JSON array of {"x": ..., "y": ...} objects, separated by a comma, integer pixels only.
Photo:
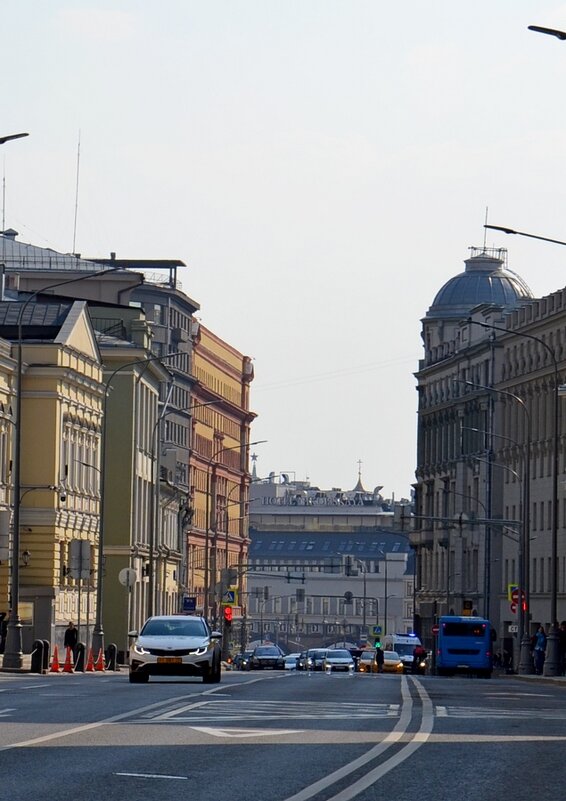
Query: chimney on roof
[
  {"x": 9, "y": 233},
  {"x": 112, "y": 256}
]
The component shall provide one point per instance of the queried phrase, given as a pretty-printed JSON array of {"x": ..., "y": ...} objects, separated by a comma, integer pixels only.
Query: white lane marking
[
  {"x": 31, "y": 686},
  {"x": 484, "y": 712},
  {"x": 89, "y": 726},
  {"x": 5, "y": 712},
  {"x": 244, "y": 732},
  {"x": 178, "y": 710},
  {"x": 518, "y": 695},
  {"x": 151, "y": 776},
  {"x": 231, "y": 710},
  {"x": 419, "y": 738},
  {"x": 393, "y": 737}
]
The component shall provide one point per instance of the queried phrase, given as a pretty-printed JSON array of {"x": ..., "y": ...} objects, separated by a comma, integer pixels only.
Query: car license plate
[{"x": 169, "y": 660}]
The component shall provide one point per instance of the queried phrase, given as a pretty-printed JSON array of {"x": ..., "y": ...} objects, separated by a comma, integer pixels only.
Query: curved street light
[{"x": 9, "y": 137}]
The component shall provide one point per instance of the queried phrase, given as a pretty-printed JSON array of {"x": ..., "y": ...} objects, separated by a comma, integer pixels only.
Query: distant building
[{"x": 326, "y": 565}]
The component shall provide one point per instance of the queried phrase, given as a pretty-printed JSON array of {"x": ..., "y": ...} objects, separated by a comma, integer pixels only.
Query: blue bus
[{"x": 464, "y": 644}]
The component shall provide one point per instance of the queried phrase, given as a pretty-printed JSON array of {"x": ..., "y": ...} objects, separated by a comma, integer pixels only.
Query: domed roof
[{"x": 485, "y": 280}]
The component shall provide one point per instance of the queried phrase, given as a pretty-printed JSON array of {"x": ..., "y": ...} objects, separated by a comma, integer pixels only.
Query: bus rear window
[{"x": 463, "y": 629}]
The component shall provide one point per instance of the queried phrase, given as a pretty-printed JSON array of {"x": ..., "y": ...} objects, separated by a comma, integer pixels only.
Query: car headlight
[
  {"x": 200, "y": 651},
  {"x": 139, "y": 649}
]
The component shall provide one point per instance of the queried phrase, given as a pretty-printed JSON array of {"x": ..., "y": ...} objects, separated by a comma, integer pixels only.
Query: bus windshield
[{"x": 462, "y": 629}]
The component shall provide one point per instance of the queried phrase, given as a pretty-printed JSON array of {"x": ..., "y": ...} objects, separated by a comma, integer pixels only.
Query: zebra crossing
[
  {"x": 498, "y": 714},
  {"x": 220, "y": 710}
]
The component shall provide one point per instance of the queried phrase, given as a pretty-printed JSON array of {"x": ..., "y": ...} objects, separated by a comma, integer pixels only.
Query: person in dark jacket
[
  {"x": 71, "y": 637},
  {"x": 539, "y": 652}
]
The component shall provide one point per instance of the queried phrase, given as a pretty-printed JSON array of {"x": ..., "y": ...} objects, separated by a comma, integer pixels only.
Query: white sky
[{"x": 322, "y": 166}]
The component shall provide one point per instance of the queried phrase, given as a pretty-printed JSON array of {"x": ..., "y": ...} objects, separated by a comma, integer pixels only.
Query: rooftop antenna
[
  {"x": 485, "y": 228},
  {"x": 77, "y": 192},
  {"x": 4, "y": 213}
]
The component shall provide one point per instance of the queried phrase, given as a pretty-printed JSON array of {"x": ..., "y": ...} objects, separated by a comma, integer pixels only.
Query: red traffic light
[{"x": 228, "y": 614}]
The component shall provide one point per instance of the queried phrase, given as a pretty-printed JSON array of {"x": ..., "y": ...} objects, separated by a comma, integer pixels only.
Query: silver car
[
  {"x": 175, "y": 645},
  {"x": 338, "y": 659}
]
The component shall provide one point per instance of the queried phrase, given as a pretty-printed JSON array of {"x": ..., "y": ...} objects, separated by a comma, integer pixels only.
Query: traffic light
[
  {"x": 348, "y": 596},
  {"x": 228, "y": 615},
  {"x": 266, "y": 593},
  {"x": 377, "y": 641}
]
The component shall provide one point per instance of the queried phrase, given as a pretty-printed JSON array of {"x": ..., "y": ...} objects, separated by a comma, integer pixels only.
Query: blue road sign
[
  {"x": 377, "y": 629},
  {"x": 189, "y": 604}
]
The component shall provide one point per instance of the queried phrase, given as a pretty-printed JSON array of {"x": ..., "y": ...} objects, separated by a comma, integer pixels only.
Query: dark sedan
[{"x": 266, "y": 656}]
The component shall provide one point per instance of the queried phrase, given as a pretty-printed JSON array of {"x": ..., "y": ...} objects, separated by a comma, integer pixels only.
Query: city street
[{"x": 280, "y": 736}]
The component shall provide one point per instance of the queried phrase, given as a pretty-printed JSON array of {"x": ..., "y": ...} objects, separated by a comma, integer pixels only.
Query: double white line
[{"x": 419, "y": 738}]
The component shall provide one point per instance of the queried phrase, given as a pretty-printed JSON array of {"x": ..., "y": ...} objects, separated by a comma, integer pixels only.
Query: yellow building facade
[
  {"x": 59, "y": 500},
  {"x": 220, "y": 476}
]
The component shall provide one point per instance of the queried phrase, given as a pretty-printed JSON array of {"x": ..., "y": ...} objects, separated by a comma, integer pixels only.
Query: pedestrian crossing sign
[{"x": 229, "y": 598}]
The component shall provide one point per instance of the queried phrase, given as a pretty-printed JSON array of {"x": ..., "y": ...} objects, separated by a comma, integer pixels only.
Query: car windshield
[
  {"x": 267, "y": 652},
  {"x": 337, "y": 654},
  {"x": 367, "y": 657},
  {"x": 317, "y": 654},
  {"x": 174, "y": 628},
  {"x": 392, "y": 656},
  {"x": 405, "y": 650}
]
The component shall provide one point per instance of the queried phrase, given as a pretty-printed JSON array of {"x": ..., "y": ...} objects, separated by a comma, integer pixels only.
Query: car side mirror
[
  {"x": 216, "y": 635},
  {"x": 132, "y": 634}
]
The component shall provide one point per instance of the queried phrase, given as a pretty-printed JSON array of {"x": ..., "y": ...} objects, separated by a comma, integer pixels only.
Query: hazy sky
[{"x": 322, "y": 166}]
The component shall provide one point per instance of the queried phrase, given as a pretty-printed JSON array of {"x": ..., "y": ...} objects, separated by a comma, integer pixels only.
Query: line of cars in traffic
[
  {"x": 319, "y": 659},
  {"x": 184, "y": 645}
]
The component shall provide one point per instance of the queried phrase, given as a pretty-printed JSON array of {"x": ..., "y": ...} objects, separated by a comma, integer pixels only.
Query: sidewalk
[{"x": 26, "y": 666}]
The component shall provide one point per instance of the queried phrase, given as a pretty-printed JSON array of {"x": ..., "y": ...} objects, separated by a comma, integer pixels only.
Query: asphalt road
[{"x": 281, "y": 736}]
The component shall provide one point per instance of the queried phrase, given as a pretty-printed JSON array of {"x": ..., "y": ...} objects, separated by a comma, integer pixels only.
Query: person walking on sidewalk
[{"x": 539, "y": 650}]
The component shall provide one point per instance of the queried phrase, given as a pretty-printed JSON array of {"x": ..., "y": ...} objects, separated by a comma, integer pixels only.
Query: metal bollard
[
  {"x": 46, "y": 655},
  {"x": 80, "y": 657},
  {"x": 37, "y": 657},
  {"x": 112, "y": 657}
]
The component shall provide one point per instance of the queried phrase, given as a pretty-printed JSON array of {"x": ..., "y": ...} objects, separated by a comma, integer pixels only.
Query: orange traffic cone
[
  {"x": 90, "y": 662},
  {"x": 55, "y": 661},
  {"x": 99, "y": 664},
  {"x": 68, "y": 666}
]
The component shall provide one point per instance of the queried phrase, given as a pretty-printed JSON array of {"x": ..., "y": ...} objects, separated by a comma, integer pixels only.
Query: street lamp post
[
  {"x": 552, "y": 660},
  {"x": 13, "y": 654},
  {"x": 385, "y": 596},
  {"x": 211, "y": 517},
  {"x": 98, "y": 630},
  {"x": 525, "y": 661}
]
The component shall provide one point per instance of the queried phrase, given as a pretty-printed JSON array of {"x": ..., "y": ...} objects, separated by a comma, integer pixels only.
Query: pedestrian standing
[
  {"x": 539, "y": 650},
  {"x": 379, "y": 658},
  {"x": 71, "y": 638}
]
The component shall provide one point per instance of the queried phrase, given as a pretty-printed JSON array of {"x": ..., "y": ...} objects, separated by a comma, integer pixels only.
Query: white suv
[{"x": 175, "y": 645}]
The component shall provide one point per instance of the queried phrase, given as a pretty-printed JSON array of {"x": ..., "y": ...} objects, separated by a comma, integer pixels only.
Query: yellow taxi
[{"x": 392, "y": 662}]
